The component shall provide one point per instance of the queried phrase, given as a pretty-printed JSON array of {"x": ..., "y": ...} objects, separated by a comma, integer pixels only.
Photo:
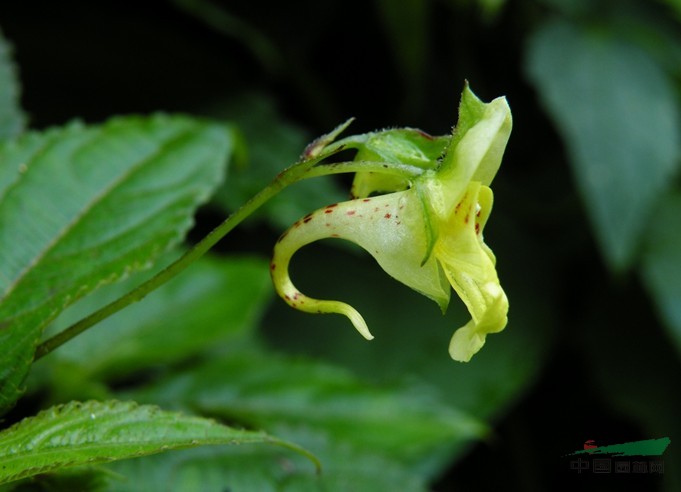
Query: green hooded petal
[
  {"x": 475, "y": 151},
  {"x": 390, "y": 227},
  {"x": 470, "y": 267}
]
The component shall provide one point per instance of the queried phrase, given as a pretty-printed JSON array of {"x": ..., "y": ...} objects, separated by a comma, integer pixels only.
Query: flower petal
[
  {"x": 475, "y": 151},
  {"x": 470, "y": 267},
  {"x": 390, "y": 227},
  {"x": 470, "y": 338}
]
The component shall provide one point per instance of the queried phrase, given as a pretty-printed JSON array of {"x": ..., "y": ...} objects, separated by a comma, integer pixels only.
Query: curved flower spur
[{"x": 419, "y": 207}]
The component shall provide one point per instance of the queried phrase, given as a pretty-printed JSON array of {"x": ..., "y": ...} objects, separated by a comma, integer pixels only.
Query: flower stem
[
  {"x": 302, "y": 170},
  {"x": 395, "y": 169},
  {"x": 284, "y": 179}
]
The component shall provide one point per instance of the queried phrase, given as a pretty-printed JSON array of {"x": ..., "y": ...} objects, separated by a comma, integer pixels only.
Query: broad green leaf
[
  {"x": 272, "y": 144},
  {"x": 264, "y": 469},
  {"x": 216, "y": 300},
  {"x": 86, "y": 206},
  {"x": 98, "y": 432},
  {"x": 661, "y": 263},
  {"x": 618, "y": 114},
  {"x": 12, "y": 119},
  {"x": 268, "y": 391}
]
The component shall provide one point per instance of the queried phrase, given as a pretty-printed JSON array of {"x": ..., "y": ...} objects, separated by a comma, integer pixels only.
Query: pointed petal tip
[{"x": 356, "y": 319}]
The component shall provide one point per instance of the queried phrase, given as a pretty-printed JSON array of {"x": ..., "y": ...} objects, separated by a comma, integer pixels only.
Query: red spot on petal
[
  {"x": 477, "y": 228},
  {"x": 332, "y": 205},
  {"x": 307, "y": 219},
  {"x": 367, "y": 200},
  {"x": 335, "y": 235},
  {"x": 328, "y": 211},
  {"x": 273, "y": 266},
  {"x": 350, "y": 212},
  {"x": 387, "y": 216}
]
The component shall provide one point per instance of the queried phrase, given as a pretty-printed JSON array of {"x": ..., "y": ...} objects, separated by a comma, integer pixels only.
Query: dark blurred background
[{"x": 587, "y": 202}]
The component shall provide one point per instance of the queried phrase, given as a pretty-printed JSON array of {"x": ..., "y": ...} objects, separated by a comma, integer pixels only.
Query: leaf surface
[
  {"x": 269, "y": 391},
  {"x": 12, "y": 118},
  {"x": 98, "y": 432},
  {"x": 265, "y": 469},
  {"x": 661, "y": 264},
  {"x": 618, "y": 114},
  {"x": 84, "y": 206},
  {"x": 217, "y": 300}
]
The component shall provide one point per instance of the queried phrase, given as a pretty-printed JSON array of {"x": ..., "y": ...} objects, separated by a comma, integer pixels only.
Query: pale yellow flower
[{"x": 426, "y": 230}]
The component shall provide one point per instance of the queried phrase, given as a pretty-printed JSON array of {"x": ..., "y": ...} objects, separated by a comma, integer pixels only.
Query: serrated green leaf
[
  {"x": 218, "y": 299},
  {"x": 661, "y": 264},
  {"x": 618, "y": 114},
  {"x": 85, "y": 206},
  {"x": 266, "y": 468},
  {"x": 99, "y": 432},
  {"x": 12, "y": 119},
  {"x": 268, "y": 391}
]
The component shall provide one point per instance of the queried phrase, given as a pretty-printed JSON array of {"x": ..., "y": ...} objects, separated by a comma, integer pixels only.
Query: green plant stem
[
  {"x": 395, "y": 169},
  {"x": 297, "y": 172},
  {"x": 287, "y": 177}
]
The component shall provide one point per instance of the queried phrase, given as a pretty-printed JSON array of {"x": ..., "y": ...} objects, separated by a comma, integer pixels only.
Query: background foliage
[{"x": 586, "y": 230}]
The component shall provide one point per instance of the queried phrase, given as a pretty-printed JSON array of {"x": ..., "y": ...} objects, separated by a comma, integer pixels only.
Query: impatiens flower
[{"x": 419, "y": 209}]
